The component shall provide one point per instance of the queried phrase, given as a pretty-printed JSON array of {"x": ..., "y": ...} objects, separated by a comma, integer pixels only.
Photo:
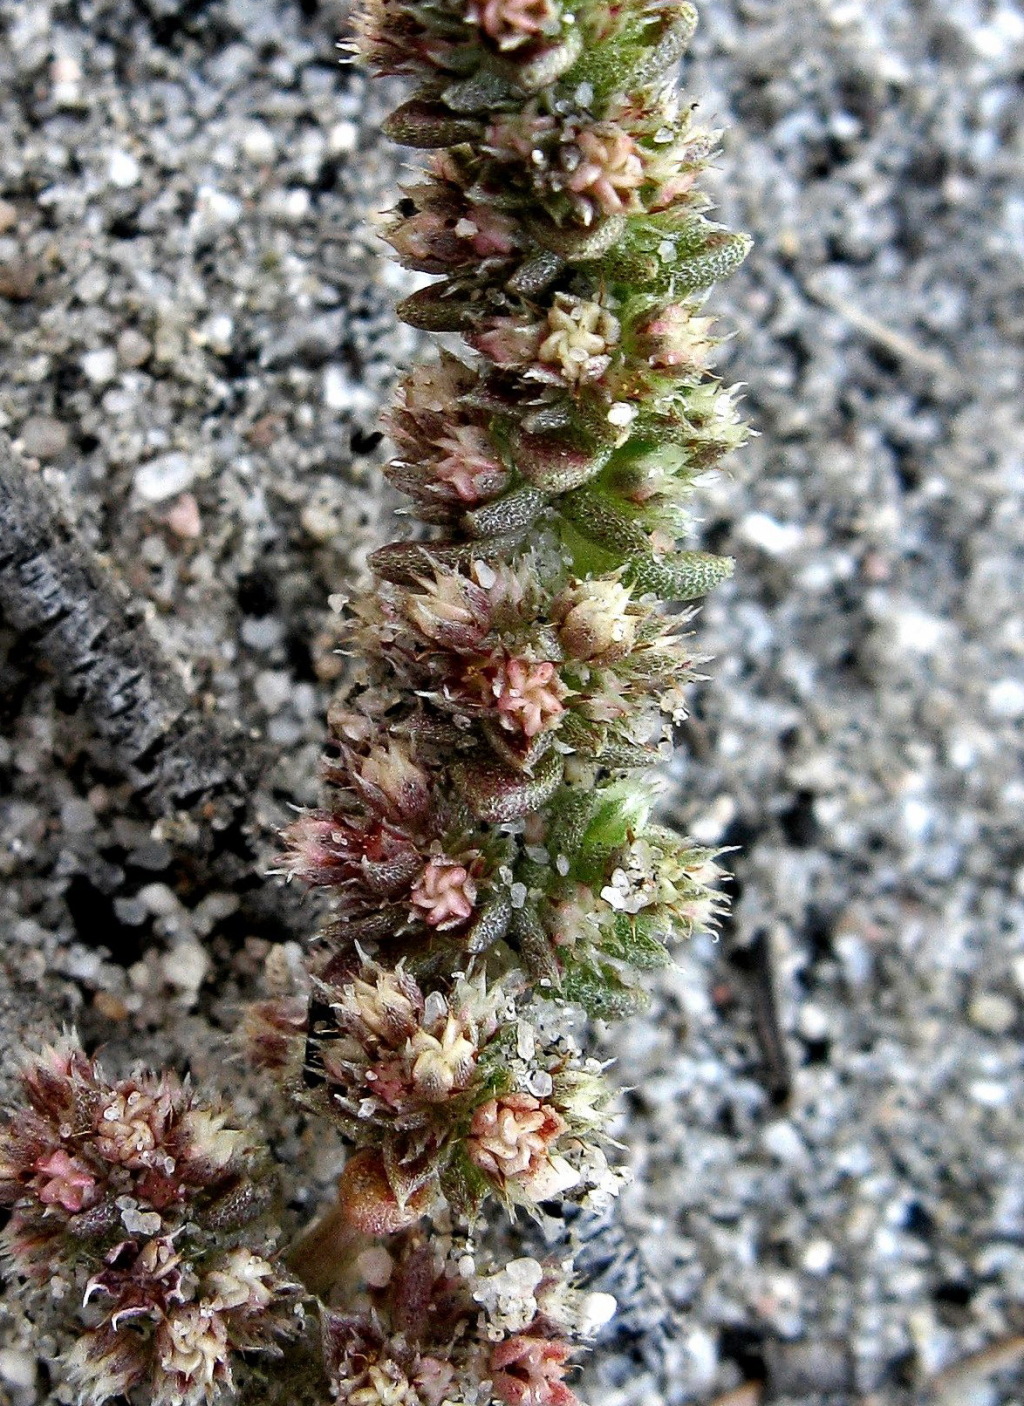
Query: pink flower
[
  {"x": 528, "y": 695},
  {"x": 65, "y": 1181},
  {"x": 510, "y": 23},
  {"x": 368, "y": 861},
  {"x": 528, "y": 1371},
  {"x": 492, "y": 234},
  {"x": 512, "y": 1136},
  {"x": 510, "y": 342},
  {"x": 470, "y": 464},
  {"x": 445, "y": 894},
  {"x": 674, "y": 339},
  {"x": 516, "y": 136},
  {"x": 610, "y": 169}
]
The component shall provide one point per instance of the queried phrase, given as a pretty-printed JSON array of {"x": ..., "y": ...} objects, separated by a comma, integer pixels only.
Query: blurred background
[{"x": 196, "y": 332}]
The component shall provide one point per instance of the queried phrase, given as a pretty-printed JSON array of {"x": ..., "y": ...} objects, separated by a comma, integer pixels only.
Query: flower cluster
[
  {"x": 432, "y": 1325},
  {"x": 151, "y": 1202},
  {"x": 452, "y": 1096}
]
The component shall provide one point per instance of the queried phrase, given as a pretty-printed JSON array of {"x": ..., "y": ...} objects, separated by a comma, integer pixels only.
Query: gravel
[{"x": 196, "y": 331}]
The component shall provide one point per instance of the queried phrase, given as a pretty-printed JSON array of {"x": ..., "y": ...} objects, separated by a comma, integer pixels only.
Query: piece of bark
[{"x": 198, "y": 772}]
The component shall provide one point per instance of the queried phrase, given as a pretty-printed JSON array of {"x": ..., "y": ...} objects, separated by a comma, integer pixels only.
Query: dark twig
[
  {"x": 754, "y": 960},
  {"x": 199, "y": 772}
]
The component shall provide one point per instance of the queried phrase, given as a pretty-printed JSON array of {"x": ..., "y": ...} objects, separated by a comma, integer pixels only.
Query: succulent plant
[
  {"x": 519, "y": 661},
  {"x": 491, "y": 773}
]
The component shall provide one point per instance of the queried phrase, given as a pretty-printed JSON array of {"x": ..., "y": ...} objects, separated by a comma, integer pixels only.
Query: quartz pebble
[
  {"x": 43, "y": 437},
  {"x": 164, "y": 477},
  {"x": 992, "y": 1012}
]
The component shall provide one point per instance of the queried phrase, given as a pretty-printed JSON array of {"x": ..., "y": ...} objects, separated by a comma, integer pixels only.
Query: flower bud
[
  {"x": 528, "y": 1370},
  {"x": 386, "y": 1008},
  {"x": 369, "y": 1202},
  {"x": 674, "y": 339},
  {"x": 392, "y": 783},
  {"x": 444, "y": 894},
  {"x": 512, "y": 343},
  {"x": 449, "y": 610},
  {"x": 594, "y": 620},
  {"x": 442, "y": 1063},
  {"x": 513, "y": 23},
  {"x": 579, "y": 339},
  {"x": 608, "y": 172},
  {"x": 511, "y": 1139}
]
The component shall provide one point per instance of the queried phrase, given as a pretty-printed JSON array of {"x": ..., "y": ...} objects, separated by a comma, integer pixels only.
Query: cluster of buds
[
  {"x": 441, "y": 1105},
  {"x": 430, "y": 1325},
  {"x": 149, "y": 1205}
]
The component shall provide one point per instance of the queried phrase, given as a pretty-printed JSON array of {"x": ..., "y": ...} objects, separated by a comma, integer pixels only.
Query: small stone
[
  {"x": 213, "y": 909},
  {"x": 109, "y": 1006},
  {"x": 215, "y": 209},
  {"x": 342, "y": 393},
  {"x": 817, "y": 1256},
  {"x": 164, "y": 477},
  {"x": 100, "y": 366},
  {"x": 137, "y": 1222},
  {"x": 152, "y": 855},
  {"x": 133, "y": 349},
  {"x": 595, "y": 1310},
  {"x": 18, "y": 1369},
  {"x": 259, "y": 145},
  {"x": 159, "y": 900},
  {"x": 185, "y": 966},
  {"x": 130, "y": 912},
  {"x": 812, "y": 1022},
  {"x": 66, "y": 77},
  {"x": 262, "y": 633},
  {"x": 320, "y": 520},
  {"x": 77, "y": 816},
  {"x": 342, "y": 138},
  {"x": 992, "y": 1012},
  {"x": 217, "y": 333},
  {"x": 183, "y": 518},
  {"x": 709, "y": 828},
  {"x": 291, "y": 205},
  {"x": 18, "y": 279},
  {"x": 8, "y": 216},
  {"x": 43, "y": 437},
  {"x": 1005, "y": 699},
  {"x": 776, "y": 539},
  {"x": 273, "y": 689},
  {"x": 123, "y": 170},
  {"x": 375, "y": 1266},
  {"x": 783, "y": 1141},
  {"x": 990, "y": 1093}
]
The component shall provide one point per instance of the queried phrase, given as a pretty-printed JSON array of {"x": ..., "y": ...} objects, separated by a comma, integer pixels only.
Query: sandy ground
[{"x": 195, "y": 336}]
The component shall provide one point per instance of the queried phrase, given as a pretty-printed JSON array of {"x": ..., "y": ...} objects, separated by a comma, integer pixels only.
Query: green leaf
[
  {"x": 620, "y": 811},
  {"x": 496, "y": 793},
  {"x": 535, "y": 947},
  {"x": 463, "y": 1186},
  {"x": 631, "y": 940},
  {"x": 601, "y": 992},
  {"x": 679, "y": 575},
  {"x": 571, "y": 811},
  {"x": 427, "y": 125},
  {"x": 512, "y": 514}
]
